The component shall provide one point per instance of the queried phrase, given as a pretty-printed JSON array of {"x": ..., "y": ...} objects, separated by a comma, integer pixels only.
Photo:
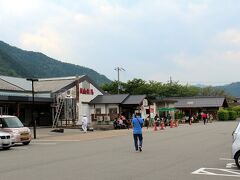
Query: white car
[
  {"x": 14, "y": 126},
  {"x": 5, "y": 140},
  {"x": 236, "y": 145}
]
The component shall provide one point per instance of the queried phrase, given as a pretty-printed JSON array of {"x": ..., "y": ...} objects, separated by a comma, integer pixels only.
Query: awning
[{"x": 166, "y": 109}]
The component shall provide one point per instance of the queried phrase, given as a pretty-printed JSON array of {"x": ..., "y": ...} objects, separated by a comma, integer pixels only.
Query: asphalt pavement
[{"x": 185, "y": 153}]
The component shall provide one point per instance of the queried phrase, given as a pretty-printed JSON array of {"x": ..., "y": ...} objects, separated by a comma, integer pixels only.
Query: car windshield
[{"x": 12, "y": 122}]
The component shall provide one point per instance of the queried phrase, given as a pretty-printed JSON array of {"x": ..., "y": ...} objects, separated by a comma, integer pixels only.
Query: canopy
[{"x": 166, "y": 109}]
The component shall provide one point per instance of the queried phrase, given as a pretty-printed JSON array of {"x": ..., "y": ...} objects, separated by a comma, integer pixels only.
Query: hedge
[
  {"x": 232, "y": 115},
  {"x": 237, "y": 109},
  {"x": 223, "y": 115}
]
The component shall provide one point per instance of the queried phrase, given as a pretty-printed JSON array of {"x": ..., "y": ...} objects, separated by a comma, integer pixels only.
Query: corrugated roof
[
  {"x": 195, "y": 102},
  {"x": 109, "y": 99},
  {"x": 134, "y": 99},
  {"x": 52, "y": 85},
  {"x": 19, "y": 83},
  {"x": 8, "y": 86}
]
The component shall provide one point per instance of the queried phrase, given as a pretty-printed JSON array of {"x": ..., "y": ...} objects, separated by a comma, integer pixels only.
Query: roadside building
[
  {"x": 189, "y": 105},
  {"x": 164, "y": 106},
  {"x": 106, "y": 108},
  {"x": 198, "y": 104},
  {"x": 16, "y": 99},
  {"x": 58, "y": 101}
]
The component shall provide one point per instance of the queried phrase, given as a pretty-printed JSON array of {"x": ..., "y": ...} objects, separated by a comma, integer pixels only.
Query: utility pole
[
  {"x": 170, "y": 80},
  {"x": 118, "y": 69},
  {"x": 33, "y": 106}
]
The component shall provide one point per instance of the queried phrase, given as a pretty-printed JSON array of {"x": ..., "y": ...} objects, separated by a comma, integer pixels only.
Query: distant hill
[
  {"x": 20, "y": 63},
  {"x": 233, "y": 88}
]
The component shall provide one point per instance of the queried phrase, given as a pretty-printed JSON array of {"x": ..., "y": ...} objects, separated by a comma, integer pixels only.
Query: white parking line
[
  {"x": 18, "y": 148},
  {"x": 57, "y": 140},
  {"x": 225, "y": 159},
  {"x": 44, "y": 143},
  {"x": 214, "y": 172}
]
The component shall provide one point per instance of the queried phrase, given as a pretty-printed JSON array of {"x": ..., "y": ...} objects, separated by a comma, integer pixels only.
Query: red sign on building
[{"x": 86, "y": 91}]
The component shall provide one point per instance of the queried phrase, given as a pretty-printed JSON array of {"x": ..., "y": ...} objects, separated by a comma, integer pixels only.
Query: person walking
[
  {"x": 190, "y": 119},
  {"x": 137, "y": 124},
  {"x": 146, "y": 122},
  {"x": 84, "y": 123},
  {"x": 204, "y": 117}
]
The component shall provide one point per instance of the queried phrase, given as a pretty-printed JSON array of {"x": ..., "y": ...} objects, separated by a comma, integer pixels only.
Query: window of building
[
  {"x": 98, "y": 110},
  {"x": 112, "y": 110}
]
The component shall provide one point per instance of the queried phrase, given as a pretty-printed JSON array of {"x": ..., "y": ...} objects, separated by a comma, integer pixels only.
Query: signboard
[
  {"x": 190, "y": 102},
  {"x": 86, "y": 91}
]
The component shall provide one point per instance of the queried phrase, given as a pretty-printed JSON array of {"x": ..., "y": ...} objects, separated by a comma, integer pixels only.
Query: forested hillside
[
  {"x": 20, "y": 63},
  {"x": 233, "y": 88}
]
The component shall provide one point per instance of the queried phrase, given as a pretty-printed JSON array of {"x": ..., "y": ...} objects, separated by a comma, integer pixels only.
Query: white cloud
[
  {"x": 45, "y": 40},
  {"x": 210, "y": 68},
  {"x": 158, "y": 38},
  {"x": 229, "y": 37},
  {"x": 16, "y": 7}
]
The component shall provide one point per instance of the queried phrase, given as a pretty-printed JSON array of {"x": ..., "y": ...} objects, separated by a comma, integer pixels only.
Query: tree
[{"x": 155, "y": 89}]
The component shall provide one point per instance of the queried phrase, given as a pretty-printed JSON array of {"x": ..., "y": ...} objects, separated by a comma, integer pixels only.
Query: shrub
[
  {"x": 223, "y": 115},
  {"x": 237, "y": 109},
  {"x": 232, "y": 115},
  {"x": 179, "y": 115}
]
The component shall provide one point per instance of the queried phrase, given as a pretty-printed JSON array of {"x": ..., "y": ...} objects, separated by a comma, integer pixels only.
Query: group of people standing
[
  {"x": 163, "y": 118},
  {"x": 121, "y": 123},
  {"x": 205, "y": 117}
]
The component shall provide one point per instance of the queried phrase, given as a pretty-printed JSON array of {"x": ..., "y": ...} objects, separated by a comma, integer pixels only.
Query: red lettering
[
  {"x": 81, "y": 90},
  {"x": 86, "y": 91}
]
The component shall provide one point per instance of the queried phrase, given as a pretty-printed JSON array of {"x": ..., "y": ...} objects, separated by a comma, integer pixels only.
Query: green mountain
[
  {"x": 233, "y": 88},
  {"x": 20, "y": 63}
]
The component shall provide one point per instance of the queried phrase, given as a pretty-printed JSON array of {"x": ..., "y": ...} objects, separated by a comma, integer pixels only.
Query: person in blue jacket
[{"x": 137, "y": 124}]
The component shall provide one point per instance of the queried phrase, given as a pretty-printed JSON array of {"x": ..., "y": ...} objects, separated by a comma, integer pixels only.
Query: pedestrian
[
  {"x": 137, "y": 124},
  {"x": 146, "y": 122},
  {"x": 190, "y": 119},
  {"x": 204, "y": 117},
  {"x": 84, "y": 123},
  {"x": 156, "y": 120}
]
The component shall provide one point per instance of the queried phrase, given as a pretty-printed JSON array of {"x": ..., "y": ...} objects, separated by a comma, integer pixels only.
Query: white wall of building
[{"x": 83, "y": 107}]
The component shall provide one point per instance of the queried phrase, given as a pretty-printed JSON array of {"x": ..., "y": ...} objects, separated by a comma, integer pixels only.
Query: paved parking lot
[{"x": 187, "y": 152}]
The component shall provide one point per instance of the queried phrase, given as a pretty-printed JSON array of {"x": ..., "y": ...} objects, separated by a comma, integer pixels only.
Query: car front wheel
[
  {"x": 26, "y": 143},
  {"x": 237, "y": 160}
]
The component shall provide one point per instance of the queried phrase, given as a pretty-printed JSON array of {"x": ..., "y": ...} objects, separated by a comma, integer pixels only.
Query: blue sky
[{"x": 195, "y": 41}]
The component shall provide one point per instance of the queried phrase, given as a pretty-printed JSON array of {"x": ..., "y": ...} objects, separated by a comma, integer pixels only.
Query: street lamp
[{"x": 33, "y": 103}]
